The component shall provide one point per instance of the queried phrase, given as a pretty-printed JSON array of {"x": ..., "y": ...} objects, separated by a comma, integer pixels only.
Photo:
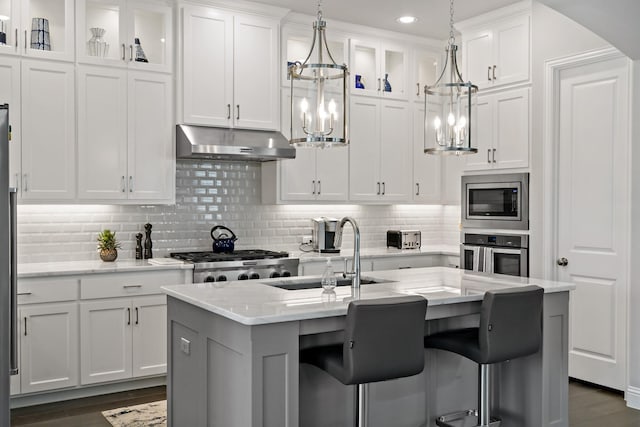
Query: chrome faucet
[{"x": 337, "y": 241}]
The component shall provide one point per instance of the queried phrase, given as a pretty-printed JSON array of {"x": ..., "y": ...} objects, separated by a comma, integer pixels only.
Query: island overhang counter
[{"x": 233, "y": 354}]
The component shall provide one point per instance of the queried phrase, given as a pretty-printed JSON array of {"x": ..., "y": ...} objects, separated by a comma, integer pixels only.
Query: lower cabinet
[{"x": 122, "y": 338}]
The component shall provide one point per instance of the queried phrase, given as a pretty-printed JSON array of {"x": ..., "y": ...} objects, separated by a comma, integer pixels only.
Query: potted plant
[{"x": 108, "y": 245}]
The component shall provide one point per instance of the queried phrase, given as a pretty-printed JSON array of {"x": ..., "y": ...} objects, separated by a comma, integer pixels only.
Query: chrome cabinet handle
[
  {"x": 379, "y": 82},
  {"x": 562, "y": 262},
  {"x": 417, "y": 188},
  {"x": 228, "y": 111},
  {"x": 489, "y": 73},
  {"x": 494, "y": 155},
  {"x": 238, "y": 115},
  {"x": 25, "y": 41},
  {"x": 418, "y": 91},
  {"x": 130, "y": 184},
  {"x": 314, "y": 186},
  {"x": 122, "y": 183},
  {"x": 25, "y": 187},
  {"x": 494, "y": 72},
  {"x": 319, "y": 187},
  {"x": 378, "y": 188},
  {"x": 488, "y": 155},
  {"x": 128, "y": 316},
  {"x": 25, "y": 326},
  {"x": 384, "y": 188},
  {"x": 130, "y": 52},
  {"x": 137, "y": 317},
  {"x": 24, "y": 293},
  {"x": 16, "y": 39},
  {"x": 131, "y": 286},
  {"x": 124, "y": 52}
]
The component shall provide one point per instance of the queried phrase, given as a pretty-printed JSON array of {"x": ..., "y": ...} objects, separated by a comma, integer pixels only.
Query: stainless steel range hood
[{"x": 201, "y": 142}]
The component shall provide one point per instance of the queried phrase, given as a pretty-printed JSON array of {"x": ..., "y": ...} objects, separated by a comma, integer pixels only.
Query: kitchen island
[{"x": 233, "y": 354}]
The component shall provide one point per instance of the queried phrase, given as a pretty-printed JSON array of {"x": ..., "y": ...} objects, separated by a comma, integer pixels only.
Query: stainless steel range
[{"x": 239, "y": 265}]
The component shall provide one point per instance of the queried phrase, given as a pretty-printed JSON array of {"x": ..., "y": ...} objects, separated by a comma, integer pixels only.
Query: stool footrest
[{"x": 444, "y": 420}]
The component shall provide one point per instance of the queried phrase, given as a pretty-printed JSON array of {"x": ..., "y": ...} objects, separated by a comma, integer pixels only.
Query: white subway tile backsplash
[{"x": 210, "y": 193}]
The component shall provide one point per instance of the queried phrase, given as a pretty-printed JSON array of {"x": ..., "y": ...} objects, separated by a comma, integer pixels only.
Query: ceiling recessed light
[{"x": 407, "y": 19}]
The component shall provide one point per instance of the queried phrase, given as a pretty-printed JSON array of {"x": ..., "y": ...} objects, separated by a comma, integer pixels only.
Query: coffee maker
[{"x": 324, "y": 231}]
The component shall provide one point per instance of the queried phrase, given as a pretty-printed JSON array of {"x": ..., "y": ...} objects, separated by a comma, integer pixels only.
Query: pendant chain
[
  {"x": 319, "y": 10},
  {"x": 452, "y": 36}
]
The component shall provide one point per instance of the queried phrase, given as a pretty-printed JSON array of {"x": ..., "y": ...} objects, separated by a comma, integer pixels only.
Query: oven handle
[
  {"x": 488, "y": 260},
  {"x": 477, "y": 257}
]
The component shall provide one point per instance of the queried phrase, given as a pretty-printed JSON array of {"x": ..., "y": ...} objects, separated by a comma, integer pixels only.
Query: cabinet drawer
[
  {"x": 128, "y": 284},
  {"x": 401, "y": 262},
  {"x": 37, "y": 290}
]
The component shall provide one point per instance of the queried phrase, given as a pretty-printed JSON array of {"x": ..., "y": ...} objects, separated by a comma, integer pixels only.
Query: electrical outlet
[{"x": 306, "y": 240}]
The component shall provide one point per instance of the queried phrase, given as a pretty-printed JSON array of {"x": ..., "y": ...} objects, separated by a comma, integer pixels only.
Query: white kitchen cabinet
[
  {"x": 48, "y": 346},
  {"x": 380, "y": 162},
  {"x": 425, "y": 70},
  {"x": 426, "y": 167},
  {"x": 123, "y": 22},
  {"x": 497, "y": 53},
  {"x": 10, "y": 94},
  {"x": 48, "y": 131},
  {"x": 406, "y": 261},
  {"x": 125, "y": 147},
  {"x": 502, "y": 131},
  {"x": 236, "y": 83},
  {"x": 374, "y": 62},
  {"x": 149, "y": 335}
]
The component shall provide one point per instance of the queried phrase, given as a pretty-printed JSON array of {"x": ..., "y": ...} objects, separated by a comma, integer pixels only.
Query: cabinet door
[
  {"x": 152, "y": 25},
  {"x": 105, "y": 337},
  {"x": 49, "y": 347},
  {"x": 395, "y": 69},
  {"x": 151, "y": 154},
  {"x": 426, "y": 167},
  {"x": 364, "y": 150},
  {"x": 48, "y": 131},
  {"x": 60, "y": 21},
  {"x": 332, "y": 173},
  {"x": 108, "y": 15},
  {"x": 511, "y": 51},
  {"x": 255, "y": 83},
  {"x": 12, "y": 26},
  {"x": 10, "y": 94},
  {"x": 365, "y": 68},
  {"x": 149, "y": 335},
  {"x": 512, "y": 129},
  {"x": 207, "y": 80},
  {"x": 477, "y": 54},
  {"x": 102, "y": 133},
  {"x": 426, "y": 70},
  {"x": 484, "y": 133},
  {"x": 396, "y": 147}
]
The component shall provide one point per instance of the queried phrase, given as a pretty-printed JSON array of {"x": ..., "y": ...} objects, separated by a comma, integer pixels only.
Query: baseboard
[
  {"x": 20, "y": 401},
  {"x": 632, "y": 396}
]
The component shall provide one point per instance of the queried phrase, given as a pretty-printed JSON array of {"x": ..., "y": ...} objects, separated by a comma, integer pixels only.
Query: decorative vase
[
  {"x": 387, "y": 85},
  {"x": 108, "y": 255},
  {"x": 140, "y": 56},
  {"x": 359, "y": 83},
  {"x": 40, "y": 34},
  {"x": 96, "y": 46}
]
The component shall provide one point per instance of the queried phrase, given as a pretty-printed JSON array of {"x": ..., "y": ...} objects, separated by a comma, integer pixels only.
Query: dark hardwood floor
[{"x": 589, "y": 406}]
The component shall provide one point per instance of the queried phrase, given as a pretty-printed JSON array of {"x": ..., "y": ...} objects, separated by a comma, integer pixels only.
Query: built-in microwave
[{"x": 497, "y": 201}]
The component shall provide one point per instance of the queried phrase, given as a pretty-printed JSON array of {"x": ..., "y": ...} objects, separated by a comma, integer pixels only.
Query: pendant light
[
  {"x": 450, "y": 107},
  {"x": 320, "y": 117}
]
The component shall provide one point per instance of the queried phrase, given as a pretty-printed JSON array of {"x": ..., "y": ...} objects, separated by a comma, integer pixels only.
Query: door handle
[
  {"x": 488, "y": 155},
  {"x": 379, "y": 81},
  {"x": 130, "y": 183},
  {"x": 16, "y": 39},
  {"x": 25, "y": 41},
  {"x": 228, "y": 111},
  {"x": 417, "y": 188},
  {"x": 25, "y": 326},
  {"x": 238, "y": 115},
  {"x": 384, "y": 188},
  {"x": 489, "y": 73},
  {"x": 378, "y": 188},
  {"x": 319, "y": 187},
  {"x": 562, "y": 262},
  {"x": 25, "y": 187},
  {"x": 130, "y": 52},
  {"x": 418, "y": 92},
  {"x": 128, "y": 316},
  {"x": 122, "y": 183},
  {"x": 124, "y": 49},
  {"x": 494, "y": 155},
  {"x": 314, "y": 186},
  {"x": 494, "y": 72},
  {"x": 137, "y": 316}
]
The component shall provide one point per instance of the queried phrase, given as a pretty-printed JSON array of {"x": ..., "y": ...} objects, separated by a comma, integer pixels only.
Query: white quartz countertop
[
  {"x": 452, "y": 250},
  {"x": 254, "y": 302},
  {"x": 47, "y": 269}
]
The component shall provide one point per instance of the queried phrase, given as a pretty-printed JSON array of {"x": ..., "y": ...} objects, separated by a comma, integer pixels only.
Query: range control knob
[
  {"x": 243, "y": 276},
  {"x": 222, "y": 278},
  {"x": 254, "y": 276},
  {"x": 274, "y": 274},
  {"x": 210, "y": 279},
  {"x": 286, "y": 273}
]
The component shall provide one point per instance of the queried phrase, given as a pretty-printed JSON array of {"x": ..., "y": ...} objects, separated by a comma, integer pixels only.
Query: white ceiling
[{"x": 433, "y": 15}]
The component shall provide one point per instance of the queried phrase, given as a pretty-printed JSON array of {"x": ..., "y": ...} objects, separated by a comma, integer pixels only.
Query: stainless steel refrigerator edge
[{"x": 8, "y": 336}]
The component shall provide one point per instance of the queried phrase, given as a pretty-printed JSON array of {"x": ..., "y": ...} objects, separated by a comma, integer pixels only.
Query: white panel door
[
  {"x": 102, "y": 133},
  {"x": 593, "y": 215},
  {"x": 511, "y": 138},
  {"x": 426, "y": 167},
  {"x": 10, "y": 94},
  {"x": 207, "y": 74},
  {"x": 105, "y": 340},
  {"x": 255, "y": 85},
  {"x": 364, "y": 150},
  {"x": 477, "y": 55},
  {"x": 484, "y": 134},
  {"x": 151, "y": 154},
  {"x": 396, "y": 146},
  {"x": 48, "y": 131},
  {"x": 149, "y": 335},
  {"x": 49, "y": 347},
  {"x": 511, "y": 51},
  {"x": 332, "y": 174}
]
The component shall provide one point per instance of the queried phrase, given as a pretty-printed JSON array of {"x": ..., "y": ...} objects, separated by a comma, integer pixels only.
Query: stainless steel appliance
[
  {"x": 497, "y": 201},
  {"x": 239, "y": 265},
  {"x": 8, "y": 272},
  {"x": 324, "y": 232},
  {"x": 404, "y": 239},
  {"x": 495, "y": 253}
]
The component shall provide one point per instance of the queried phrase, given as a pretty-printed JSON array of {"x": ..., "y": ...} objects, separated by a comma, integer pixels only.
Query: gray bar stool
[
  {"x": 510, "y": 327},
  {"x": 384, "y": 339}
]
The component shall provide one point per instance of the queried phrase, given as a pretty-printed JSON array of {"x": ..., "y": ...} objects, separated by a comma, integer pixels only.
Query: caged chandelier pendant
[
  {"x": 319, "y": 119},
  {"x": 450, "y": 107}
]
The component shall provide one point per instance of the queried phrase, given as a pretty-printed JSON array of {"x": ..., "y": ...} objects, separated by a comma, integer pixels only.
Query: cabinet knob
[{"x": 562, "y": 262}]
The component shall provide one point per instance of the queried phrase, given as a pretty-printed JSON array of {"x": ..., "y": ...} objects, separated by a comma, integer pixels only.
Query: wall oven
[
  {"x": 495, "y": 253},
  {"x": 497, "y": 201}
]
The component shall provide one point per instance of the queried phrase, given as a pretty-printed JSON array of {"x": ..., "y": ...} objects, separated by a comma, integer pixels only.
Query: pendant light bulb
[
  {"x": 304, "y": 105},
  {"x": 437, "y": 123},
  {"x": 451, "y": 120}
]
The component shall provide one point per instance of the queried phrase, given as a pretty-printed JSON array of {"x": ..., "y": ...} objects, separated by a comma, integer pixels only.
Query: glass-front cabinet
[
  {"x": 379, "y": 69},
  {"x": 124, "y": 33},
  {"x": 426, "y": 70}
]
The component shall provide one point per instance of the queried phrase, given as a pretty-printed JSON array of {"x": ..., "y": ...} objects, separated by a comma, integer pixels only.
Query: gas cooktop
[{"x": 239, "y": 255}]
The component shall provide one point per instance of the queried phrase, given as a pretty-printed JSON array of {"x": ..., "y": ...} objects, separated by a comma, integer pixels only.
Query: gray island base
[{"x": 233, "y": 356}]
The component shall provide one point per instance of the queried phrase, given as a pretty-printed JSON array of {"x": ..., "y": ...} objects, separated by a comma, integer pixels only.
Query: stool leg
[
  {"x": 361, "y": 405},
  {"x": 484, "y": 395}
]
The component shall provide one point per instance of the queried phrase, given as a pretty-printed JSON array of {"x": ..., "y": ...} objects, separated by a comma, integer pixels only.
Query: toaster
[{"x": 404, "y": 239}]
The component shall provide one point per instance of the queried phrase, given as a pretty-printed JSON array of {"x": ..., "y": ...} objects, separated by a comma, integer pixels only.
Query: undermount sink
[{"x": 314, "y": 283}]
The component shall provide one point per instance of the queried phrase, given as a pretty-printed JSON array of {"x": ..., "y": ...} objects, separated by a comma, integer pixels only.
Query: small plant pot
[{"x": 108, "y": 255}]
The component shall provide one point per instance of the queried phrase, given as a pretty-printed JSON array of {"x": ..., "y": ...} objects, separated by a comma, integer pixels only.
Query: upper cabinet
[
  {"x": 107, "y": 32},
  {"x": 497, "y": 52},
  {"x": 379, "y": 69},
  {"x": 38, "y": 28},
  {"x": 426, "y": 67},
  {"x": 235, "y": 84}
]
